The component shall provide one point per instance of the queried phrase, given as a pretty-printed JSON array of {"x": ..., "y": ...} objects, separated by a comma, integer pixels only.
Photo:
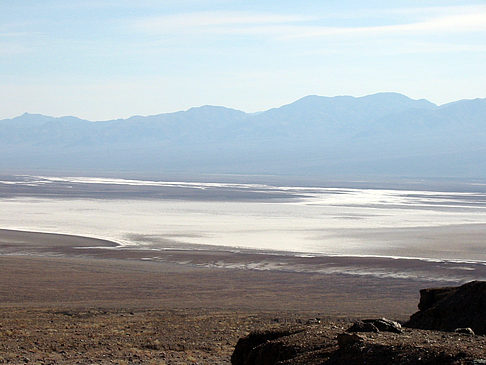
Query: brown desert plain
[{"x": 61, "y": 303}]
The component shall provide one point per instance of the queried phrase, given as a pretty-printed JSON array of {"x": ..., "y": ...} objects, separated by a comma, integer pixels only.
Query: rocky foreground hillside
[{"x": 449, "y": 328}]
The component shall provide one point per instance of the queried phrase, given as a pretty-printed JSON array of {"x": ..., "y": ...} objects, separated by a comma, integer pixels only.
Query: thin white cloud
[
  {"x": 468, "y": 19},
  {"x": 429, "y": 47},
  {"x": 211, "y": 21},
  {"x": 446, "y": 24},
  {"x": 430, "y": 11}
]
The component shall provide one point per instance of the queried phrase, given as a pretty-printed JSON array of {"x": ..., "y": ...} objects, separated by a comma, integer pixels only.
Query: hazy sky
[{"x": 105, "y": 59}]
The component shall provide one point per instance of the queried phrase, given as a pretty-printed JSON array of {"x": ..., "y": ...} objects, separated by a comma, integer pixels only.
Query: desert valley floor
[{"x": 66, "y": 298}]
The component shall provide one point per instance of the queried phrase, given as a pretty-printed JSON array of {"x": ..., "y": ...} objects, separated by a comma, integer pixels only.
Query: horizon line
[{"x": 239, "y": 110}]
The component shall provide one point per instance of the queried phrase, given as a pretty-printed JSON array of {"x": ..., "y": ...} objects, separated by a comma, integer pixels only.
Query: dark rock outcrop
[
  {"x": 360, "y": 326},
  {"x": 326, "y": 344},
  {"x": 375, "y": 325},
  {"x": 459, "y": 310},
  {"x": 345, "y": 340},
  {"x": 385, "y": 325},
  {"x": 466, "y": 330},
  {"x": 259, "y": 347},
  {"x": 430, "y": 296},
  {"x": 449, "y": 308},
  {"x": 377, "y": 354}
]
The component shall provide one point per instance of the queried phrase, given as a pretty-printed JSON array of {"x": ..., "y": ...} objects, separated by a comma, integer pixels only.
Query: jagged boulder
[
  {"x": 348, "y": 339},
  {"x": 360, "y": 326},
  {"x": 453, "y": 307},
  {"x": 430, "y": 296},
  {"x": 375, "y": 325},
  {"x": 386, "y": 325},
  {"x": 467, "y": 331},
  {"x": 259, "y": 347},
  {"x": 368, "y": 352}
]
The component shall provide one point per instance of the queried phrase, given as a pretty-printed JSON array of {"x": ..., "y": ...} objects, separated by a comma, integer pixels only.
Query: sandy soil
[{"x": 122, "y": 336}]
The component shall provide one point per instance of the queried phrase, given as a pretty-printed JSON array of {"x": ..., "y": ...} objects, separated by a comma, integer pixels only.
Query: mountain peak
[
  {"x": 396, "y": 97},
  {"x": 212, "y": 108}
]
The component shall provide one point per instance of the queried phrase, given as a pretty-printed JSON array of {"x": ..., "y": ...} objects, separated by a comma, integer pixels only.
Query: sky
[{"x": 109, "y": 59}]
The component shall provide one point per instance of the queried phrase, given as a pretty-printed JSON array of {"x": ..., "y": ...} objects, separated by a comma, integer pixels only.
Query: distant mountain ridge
[{"x": 381, "y": 134}]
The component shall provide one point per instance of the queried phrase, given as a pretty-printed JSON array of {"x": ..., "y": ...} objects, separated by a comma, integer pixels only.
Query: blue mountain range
[{"x": 385, "y": 134}]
